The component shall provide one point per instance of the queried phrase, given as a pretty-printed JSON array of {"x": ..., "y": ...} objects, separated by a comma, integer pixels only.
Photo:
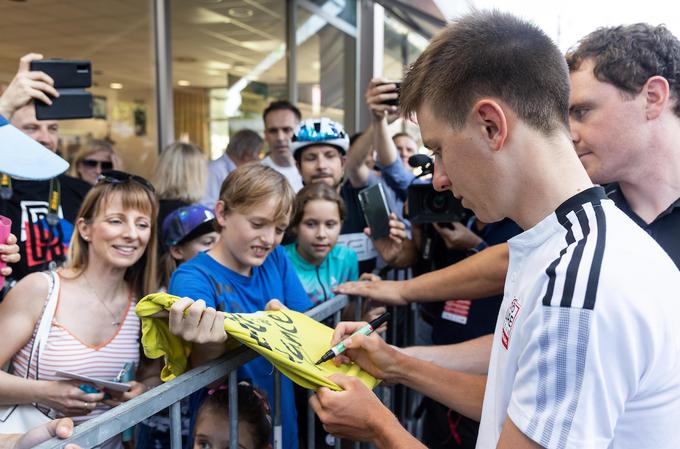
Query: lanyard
[
  {"x": 53, "y": 202},
  {"x": 5, "y": 187}
]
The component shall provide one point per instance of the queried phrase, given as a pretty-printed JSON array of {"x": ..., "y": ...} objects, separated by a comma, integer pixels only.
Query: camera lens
[{"x": 437, "y": 202}]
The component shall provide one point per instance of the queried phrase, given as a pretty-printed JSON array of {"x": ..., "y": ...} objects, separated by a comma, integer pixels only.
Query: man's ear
[
  {"x": 657, "y": 93},
  {"x": 489, "y": 115}
]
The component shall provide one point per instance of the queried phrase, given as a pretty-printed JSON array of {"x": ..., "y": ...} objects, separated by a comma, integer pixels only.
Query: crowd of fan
[{"x": 252, "y": 231}]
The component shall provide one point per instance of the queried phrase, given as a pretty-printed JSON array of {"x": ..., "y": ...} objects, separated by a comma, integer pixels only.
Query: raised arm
[
  {"x": 355, "y": 168},
  {"x": 26, "y": 86}
]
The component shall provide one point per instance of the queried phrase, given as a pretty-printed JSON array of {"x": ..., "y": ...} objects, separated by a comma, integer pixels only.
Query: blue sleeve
[
  {"x": 295, "y": 296},
  {"x": 397, "y": 178},
  {"x": 189, "y": 282}
]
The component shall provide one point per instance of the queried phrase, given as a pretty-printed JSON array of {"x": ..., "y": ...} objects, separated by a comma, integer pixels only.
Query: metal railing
[
  {"x": 118, "y": 419},
  {"x": 168, "y": 395}
]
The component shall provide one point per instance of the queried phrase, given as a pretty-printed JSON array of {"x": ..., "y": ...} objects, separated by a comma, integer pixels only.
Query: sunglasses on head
[
  {"x": 120, "y": 177},
  {"x": 91, "y": 163}
]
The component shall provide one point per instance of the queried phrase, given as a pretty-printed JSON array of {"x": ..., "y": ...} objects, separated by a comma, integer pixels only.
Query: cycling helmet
[{"x": 318, "y": 131}]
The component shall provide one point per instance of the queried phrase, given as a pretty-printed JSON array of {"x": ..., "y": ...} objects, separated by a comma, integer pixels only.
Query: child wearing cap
[{"x": 185, "y": 232}]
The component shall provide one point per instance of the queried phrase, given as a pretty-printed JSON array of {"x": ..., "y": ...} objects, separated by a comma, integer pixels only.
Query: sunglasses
[
  {"x": 120, "y": 177},
  {"x": 91, "y": 163}
]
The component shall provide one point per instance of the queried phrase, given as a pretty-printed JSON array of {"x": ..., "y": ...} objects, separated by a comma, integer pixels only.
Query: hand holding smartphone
[{"x": 373, "y": 203}]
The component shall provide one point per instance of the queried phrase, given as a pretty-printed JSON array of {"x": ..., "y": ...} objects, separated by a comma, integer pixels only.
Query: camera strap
[
  {"x": 53, "y": 202},
  {"x": 5, "y": 186}
]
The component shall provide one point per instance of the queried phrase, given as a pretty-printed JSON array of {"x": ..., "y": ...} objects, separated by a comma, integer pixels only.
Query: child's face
[
  {"x": 318, "y": 230},
  {"x": 248, "y": 238},
  {"x": 212, "y": 432},
  {"x": 200, "y": 244}
]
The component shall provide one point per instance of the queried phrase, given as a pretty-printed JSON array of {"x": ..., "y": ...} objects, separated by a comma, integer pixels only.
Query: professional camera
[{"x": 426, "y": 205}]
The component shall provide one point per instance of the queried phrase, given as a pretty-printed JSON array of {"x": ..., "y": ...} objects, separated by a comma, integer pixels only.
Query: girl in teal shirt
[{"x": 320, "y": 264}]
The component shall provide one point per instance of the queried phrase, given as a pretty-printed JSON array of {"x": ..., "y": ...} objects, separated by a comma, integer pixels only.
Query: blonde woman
[
  {"x": 92, "y": 159},
  {"x": 95, "y": 330},
  {"x": 180, "y": 177}
]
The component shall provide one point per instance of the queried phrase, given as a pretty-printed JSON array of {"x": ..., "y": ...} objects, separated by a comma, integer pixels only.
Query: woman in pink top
[{"x": 95, "y": 330}]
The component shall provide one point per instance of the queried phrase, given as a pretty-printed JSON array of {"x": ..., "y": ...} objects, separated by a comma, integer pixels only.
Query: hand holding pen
[
  {"x": 366, "y": 329},
  {"x": 370, "y": 352}
]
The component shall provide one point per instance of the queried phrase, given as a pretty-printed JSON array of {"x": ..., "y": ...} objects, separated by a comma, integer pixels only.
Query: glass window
[
  {"x": 228, "y": 63},
  {"x": 119, "y": 43},
  {"x": 402, "y": 47},
  {"x": 325, "y": 65}
]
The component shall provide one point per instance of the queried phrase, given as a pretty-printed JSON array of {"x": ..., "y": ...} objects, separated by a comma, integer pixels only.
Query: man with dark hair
[
  {"x": 585, "y": 351},
  {"x": 243, "y": 147},
  {"x": 625, "y": 122},
  {"x": 280, "y": 119}
]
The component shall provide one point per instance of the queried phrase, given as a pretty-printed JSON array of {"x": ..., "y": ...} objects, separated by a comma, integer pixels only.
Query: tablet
[{"x": 107, "y": 384}]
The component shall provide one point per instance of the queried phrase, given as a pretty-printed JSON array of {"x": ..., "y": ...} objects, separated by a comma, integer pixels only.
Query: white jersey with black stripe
[{"x": 586, "y": 352}]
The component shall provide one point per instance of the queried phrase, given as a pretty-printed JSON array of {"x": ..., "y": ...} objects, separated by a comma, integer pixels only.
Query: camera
[
  {"x": 70, "y": 79},
  {"x": 426, "y": 205}
]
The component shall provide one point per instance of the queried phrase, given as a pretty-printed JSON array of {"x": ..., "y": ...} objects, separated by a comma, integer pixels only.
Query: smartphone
[
  {"x": 66, "y": 74},
  {"x": 107, "y": 384},
  {"x": 70, "y": 104},
  {"x": 373, "y": 202},
  {"x": 70, "y": 79},
  {"x": 397, "y": 89}
]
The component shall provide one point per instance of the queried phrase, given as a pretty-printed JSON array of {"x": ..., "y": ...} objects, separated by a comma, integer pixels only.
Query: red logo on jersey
[{"x": 510, "y": 318}]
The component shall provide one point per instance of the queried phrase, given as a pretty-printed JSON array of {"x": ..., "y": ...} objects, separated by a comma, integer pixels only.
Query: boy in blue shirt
[{"x": 246, "y": 269}]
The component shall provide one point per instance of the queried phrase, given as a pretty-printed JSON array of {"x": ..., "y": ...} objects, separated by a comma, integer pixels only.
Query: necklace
[{"x": 116, "y": 320}]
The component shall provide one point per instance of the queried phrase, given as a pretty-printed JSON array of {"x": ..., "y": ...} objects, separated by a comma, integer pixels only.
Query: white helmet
[{"x": 318, "y": 131}]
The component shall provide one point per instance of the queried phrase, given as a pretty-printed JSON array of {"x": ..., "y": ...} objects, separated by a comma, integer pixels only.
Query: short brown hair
[
  {"x": 245, "y": 143},
  {"x": 251, "y": 185},
  {"x": 627, "y": 56},
  {"x": 316, "y": 191},
  {"x": 491, "y": 54}
]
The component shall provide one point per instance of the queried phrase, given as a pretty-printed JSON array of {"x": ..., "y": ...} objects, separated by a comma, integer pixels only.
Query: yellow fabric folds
[{"x": 290, "y": 340}]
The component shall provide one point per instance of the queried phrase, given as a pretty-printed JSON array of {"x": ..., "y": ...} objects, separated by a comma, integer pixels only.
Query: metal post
[
  {"x": 233, "y": 409},
  {"x": 359, "y": 305},
  {"x": 278, "y": 432},
  {"x": 291, "y": 50},
  {"x": 162, "y": 39},
  {"x": 311, "y": 423},
  {"x": 176, "y": 425}
]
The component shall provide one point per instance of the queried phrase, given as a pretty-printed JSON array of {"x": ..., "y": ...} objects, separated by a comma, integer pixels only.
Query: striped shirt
[
  {"x": 64, "y": 351},
  {"x": 586, "y": 352}
]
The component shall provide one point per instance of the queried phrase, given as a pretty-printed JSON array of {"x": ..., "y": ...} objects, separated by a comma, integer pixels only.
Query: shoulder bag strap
[{"x": 43, "y": 331}]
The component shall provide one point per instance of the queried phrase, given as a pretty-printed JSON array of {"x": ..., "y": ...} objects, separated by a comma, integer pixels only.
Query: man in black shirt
[{"x": 42, "y": 212}]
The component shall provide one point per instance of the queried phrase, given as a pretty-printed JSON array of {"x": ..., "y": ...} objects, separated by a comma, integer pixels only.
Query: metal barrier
[
  {"x": 115, "y": 421},
  {"x": 168, "y": 395}
]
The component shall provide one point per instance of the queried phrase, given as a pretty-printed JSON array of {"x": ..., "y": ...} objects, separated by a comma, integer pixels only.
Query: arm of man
[
  {"x": 463, "y": 393},
  {"x": 513, "y": 438},
  {"x": 470, "y": 357},
  {"x": 475, "y": 277},
  {"x": 356, "y": 413},
  {"x": 356, "y": 170}
]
